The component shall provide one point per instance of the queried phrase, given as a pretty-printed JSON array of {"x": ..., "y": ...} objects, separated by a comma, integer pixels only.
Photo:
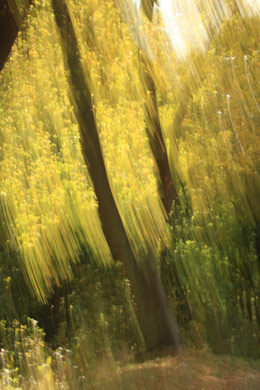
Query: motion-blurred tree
[{"x": 153, "y": 310}]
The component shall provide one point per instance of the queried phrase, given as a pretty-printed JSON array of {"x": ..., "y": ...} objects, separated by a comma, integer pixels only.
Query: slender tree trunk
[
  {"x": 148, "y": 7},
  {"x": 153, "y": 311},
  {"x": 154, "y": 130},
  {"x": 55, "y": 304}
]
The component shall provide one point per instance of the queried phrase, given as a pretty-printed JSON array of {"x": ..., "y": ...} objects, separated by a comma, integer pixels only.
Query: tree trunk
[
  {"x": 153, "y": 311},
  {"x": 11, "y": 17},
  {"x": 148, "y": 7},
  {"x": 154, "y": 131},
  {"x": 8, "y": 31}
]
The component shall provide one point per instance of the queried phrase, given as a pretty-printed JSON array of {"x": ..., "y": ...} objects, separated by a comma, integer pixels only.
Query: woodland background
[{"x": 178, "y": 127}]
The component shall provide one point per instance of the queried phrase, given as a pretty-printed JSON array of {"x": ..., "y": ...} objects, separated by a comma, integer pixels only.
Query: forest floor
[{"x": 190, "y": 370}]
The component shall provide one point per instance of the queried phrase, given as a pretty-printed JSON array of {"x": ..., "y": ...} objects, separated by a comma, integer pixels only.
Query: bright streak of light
[
  {"x": 183, "y": 24},
  {"x": 249, "y": 7},
  {"x": 187, "y": 31}
]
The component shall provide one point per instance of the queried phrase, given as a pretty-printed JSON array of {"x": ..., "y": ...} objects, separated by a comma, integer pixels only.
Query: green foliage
[
  {"x": 215, "y": 288},
  {"x": 102, "y": 319}
]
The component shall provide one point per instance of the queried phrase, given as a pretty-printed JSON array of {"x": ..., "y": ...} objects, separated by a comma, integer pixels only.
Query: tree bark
[
  {"x": 154, "y": 131},
  {"x": 11, "y": 18},
  {"x": 8, "y": 31},
  {"x": 148, "y": 7},
  {"x": 153, "y": 312}
]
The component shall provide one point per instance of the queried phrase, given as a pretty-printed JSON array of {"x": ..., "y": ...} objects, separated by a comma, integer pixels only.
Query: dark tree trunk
[
  {"x": 148, "y": 7},
  {"x": 154, "y": 131},
  {"x": 10, "y": 20},
  {"x": 55, "y": 304},
  {"x": 153, "y": 311},
  {"x": 8, "y": 31},
  {"x": 155, "y": 136}
]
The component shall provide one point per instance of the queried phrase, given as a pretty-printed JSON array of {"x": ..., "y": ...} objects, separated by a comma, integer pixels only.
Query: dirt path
[{"x": 192, "y": 370}]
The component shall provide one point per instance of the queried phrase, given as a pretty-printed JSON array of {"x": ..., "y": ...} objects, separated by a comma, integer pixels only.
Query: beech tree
[{"x": 153, "y": 311}]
